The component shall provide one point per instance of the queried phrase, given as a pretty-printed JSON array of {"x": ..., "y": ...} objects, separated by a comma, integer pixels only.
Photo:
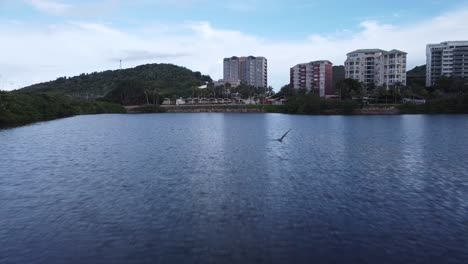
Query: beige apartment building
[{"x": 380, "y": 67}]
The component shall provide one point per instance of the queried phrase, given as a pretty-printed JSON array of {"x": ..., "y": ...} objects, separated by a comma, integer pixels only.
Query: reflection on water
[{"x": 218, "y": 188}]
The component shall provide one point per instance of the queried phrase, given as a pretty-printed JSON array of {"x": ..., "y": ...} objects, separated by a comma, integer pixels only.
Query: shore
[
  {"x": 366, "y": 111},
  {"x": 215, "y": 108},
  {"x": 390, "y": 110}
]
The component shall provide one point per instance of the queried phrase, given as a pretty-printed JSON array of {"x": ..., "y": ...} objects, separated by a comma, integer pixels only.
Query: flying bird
[{"x": 281, "y": 139}]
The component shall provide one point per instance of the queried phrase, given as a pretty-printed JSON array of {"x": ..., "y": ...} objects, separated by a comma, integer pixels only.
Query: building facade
[
  {"x": 376, "y": 66},
  {"x": 315, "y": 77},
  {"x": 249, "y": 70},
  {"x": 446, "y": 59}
]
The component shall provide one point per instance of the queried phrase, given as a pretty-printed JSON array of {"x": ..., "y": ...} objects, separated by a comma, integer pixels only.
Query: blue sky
[
  {"x": 272, "y": 19},
  {"x": 47, "y": 39}
]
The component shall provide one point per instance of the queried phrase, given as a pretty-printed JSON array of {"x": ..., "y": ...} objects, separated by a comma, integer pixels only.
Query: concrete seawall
[
  {"x": 214, "y": 108},
  {"x": 388, "y": 110},
  {"x": 391, "y": 110}
]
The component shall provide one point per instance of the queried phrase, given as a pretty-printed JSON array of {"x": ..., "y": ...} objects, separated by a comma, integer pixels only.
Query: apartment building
[
  {"x": 446, "y": 59},
  {"x": 249, "y": 70},
  {"x": 380, "y": 67},
  {"x": 315, "y": 77}
]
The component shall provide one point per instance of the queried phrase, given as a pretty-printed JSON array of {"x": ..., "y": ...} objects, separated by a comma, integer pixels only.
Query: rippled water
[{"x": 217, "y": 188}]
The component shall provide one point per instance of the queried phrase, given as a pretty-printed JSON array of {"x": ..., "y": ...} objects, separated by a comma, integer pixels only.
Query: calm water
[{"x": 217, "y": 188}]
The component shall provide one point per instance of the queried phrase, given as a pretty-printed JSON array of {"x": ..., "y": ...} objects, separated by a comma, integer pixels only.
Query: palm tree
[
  {"x": 155, "y": 91},
  {"x": 147, "y": 95}
]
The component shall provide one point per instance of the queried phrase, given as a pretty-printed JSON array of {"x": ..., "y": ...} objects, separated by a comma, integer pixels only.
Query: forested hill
[
  {"x": 416, "y": 77},
  {"x": 126, "y": 86},
  {"x": 338, "y": 76}
]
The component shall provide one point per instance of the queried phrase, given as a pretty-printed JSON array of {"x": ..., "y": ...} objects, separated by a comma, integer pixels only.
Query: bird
[{"x": 281, "y": 139}]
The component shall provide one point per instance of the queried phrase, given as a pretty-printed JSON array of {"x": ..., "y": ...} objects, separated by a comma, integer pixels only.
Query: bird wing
[{"x": 285, "y": 134}]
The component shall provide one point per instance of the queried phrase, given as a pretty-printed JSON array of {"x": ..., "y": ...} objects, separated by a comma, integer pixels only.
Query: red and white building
[{"x": 315, "y": 77}]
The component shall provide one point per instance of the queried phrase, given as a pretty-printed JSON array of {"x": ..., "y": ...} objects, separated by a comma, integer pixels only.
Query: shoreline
[
  {"x": 386, "y": 110},
  {"x": 245, "y": 109}
]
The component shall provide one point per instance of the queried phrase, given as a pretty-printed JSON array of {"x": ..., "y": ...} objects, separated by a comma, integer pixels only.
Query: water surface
[{"x": 217, "y": 188}]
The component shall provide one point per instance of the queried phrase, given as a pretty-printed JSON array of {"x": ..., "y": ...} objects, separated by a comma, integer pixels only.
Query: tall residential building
[
  {"x": 380, "y": 67},
  {"x": 249, "y": 70},
  {"x": 315, "y": 77},
  {"x": 446, "y": 59}
]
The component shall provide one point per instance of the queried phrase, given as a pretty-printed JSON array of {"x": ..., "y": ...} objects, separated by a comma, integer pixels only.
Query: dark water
[{"x": 216, "y": 188}]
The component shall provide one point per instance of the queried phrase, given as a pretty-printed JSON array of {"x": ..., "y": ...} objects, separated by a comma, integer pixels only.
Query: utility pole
[{"x": 120, "y": 64}]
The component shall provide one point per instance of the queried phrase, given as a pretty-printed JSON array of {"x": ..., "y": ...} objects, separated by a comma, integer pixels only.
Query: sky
[{"x": 41, "y": 40}]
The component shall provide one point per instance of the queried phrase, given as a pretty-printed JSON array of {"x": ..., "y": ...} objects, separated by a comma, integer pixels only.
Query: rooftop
[
  {"x": 397, "y": 51},
  {"x": 366, "y": 51},
  {"x": 375, "y": 51},
  {"x": 447, "y": 43},
  {"x": 313, "y": 62},
  {"x": 244, "y": 57}
]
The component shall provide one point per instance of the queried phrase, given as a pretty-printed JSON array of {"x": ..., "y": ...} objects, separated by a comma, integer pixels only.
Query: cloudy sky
[{"x": 42, "y": 40}]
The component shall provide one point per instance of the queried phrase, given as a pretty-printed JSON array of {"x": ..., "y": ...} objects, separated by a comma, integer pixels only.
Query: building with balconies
[
  {"x": 249, "y": 70},
  {"x": 446, "y": 59},
  {"x": 376, "y": 66},
  {"x": 315, "y": 77}
]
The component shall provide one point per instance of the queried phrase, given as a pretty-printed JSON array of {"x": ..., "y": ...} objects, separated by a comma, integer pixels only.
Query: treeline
[
  {"x": 447, "y": 105},
  {"x": 311, "y": 104},
  {"x": 303, "y": 102},
  {"x": 18, "y": 108}
]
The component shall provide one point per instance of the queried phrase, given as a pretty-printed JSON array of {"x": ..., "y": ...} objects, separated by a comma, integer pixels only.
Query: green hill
[
  {"x": 338, "y": 76},
  {"x": 126, "y": 86},
  {"x": 416, "y": 77}
]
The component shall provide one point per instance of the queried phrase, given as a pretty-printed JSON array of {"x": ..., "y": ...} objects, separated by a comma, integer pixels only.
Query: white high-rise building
[
  {"x": 249, "y": 70},
  {"x": 380, "y": 67},
  {"x": 446, "y": 59}
]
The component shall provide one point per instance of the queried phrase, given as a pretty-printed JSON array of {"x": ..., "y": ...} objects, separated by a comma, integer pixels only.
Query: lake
[{"x": 218, "y": 188}]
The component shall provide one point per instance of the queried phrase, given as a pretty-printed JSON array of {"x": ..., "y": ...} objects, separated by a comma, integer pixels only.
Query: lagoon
[{"x": 218, "y": 188}]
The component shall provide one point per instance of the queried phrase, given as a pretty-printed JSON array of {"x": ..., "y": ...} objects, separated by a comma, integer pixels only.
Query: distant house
[
  {"x": 251, "y": 101},
  {"x": 189, "y": 101},
  {"x": 414, "y": 101},
  {"x": 166, "y": 101},
  {"x": 276, "y": 101},
  {"x": 332, "y": 97},
  {"x": 180, "y": 101}
]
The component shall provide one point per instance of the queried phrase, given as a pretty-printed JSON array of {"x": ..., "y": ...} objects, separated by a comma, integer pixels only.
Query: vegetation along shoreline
[{"x": 167, "y": 88}]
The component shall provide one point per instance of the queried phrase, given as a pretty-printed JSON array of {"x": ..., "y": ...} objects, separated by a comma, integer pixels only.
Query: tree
[
  {"x": 155, "y": 93},
  {"x": 147, "y": 91},
  {"x": 285, "y": 92},
  {"x": 349, "y": 88},
  {"x": 269, "y": 91},
  {"x": 451, "y": 85},
  {"x": 406, "y": 92},
  {"x": 394, "y": 92},
  {"x": 436, "y": 94},
  {"x": 383, "y": 93},
  {"x": 371, "y": 87}
]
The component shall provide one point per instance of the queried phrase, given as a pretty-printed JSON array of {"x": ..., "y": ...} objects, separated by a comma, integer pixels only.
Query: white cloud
[
  {"x": 38, "y": 53},
  {"x": 49, "y": 6}
]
